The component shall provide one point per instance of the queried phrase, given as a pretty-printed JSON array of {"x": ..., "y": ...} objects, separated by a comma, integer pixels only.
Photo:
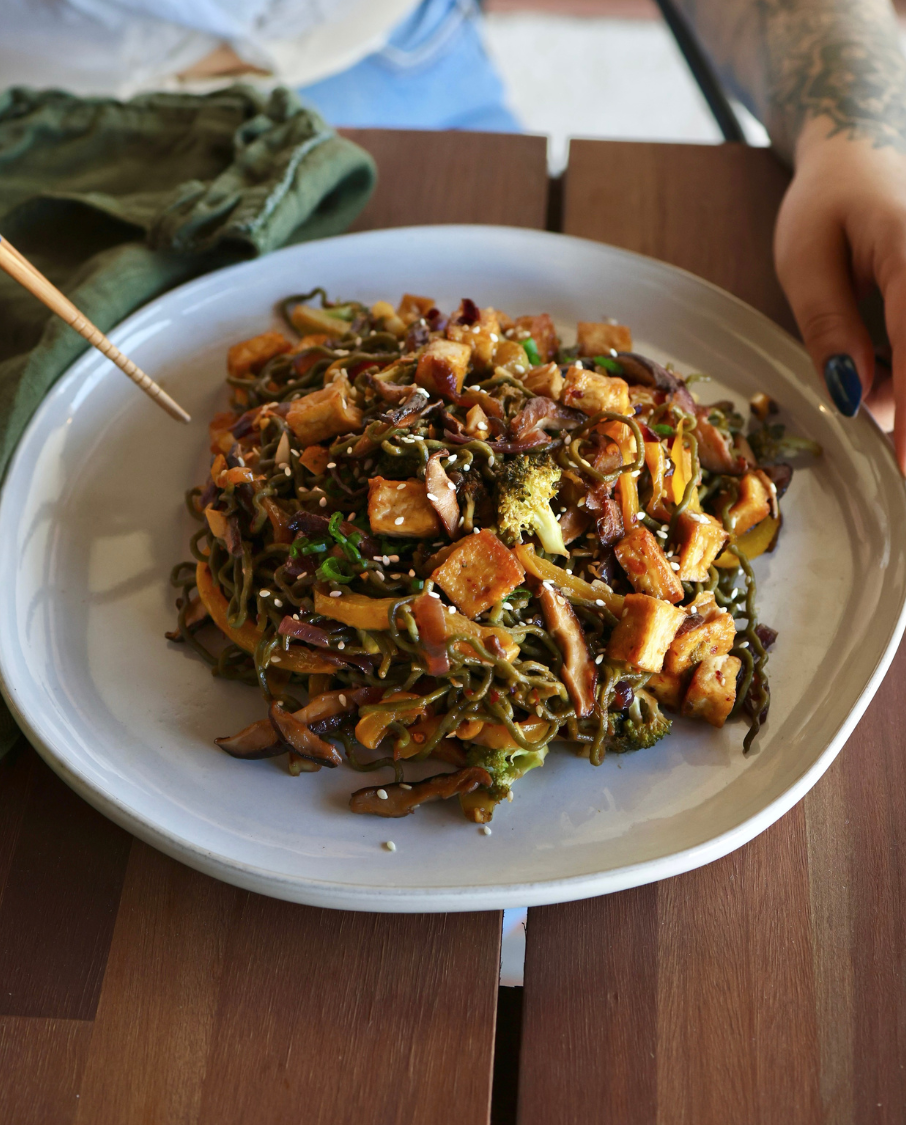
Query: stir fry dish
[{"x": 451, "y": 537}]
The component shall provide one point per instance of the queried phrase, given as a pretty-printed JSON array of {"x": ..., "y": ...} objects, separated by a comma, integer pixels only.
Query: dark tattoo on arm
[{"x": 794, "y": 60}]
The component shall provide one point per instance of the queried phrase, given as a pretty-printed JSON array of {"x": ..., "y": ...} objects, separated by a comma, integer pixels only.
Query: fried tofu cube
[
  {"x": 477, "y": 424},
  {"x": 596, "y": 338},
  {"x": 443, "y": 363},
  {"x": 249, "y": 356},
  {"x": 478, "y": 572},
  {"x": 701, "y": 538},
  {"x": 591, "y": 392},
  {"x": 754, "y": 503},
  {"x": 646, "y": 566},
  {"x": 668, "y": 688},
  {"x": 545, "y": 380},
  {"x": 707, "y": 631},
  {"x": 401, "y": 508},
  {"x": 644, "y": 632},
  {"x": 482, "y": 337},
  {"x": 712, "y": 690},
  {"x": 324, "y": 414},
  {"x": 315, "y": 458},
  {"x": 542, "y": 331},
  {"x": 412, "y": 308}
]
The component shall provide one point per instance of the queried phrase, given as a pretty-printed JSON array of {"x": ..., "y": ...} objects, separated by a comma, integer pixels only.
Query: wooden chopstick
[{"x": 21, "y": 270}]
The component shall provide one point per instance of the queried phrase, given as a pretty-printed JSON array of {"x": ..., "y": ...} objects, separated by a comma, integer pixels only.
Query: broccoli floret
[
  {"x": 640, "y": 727},
  {"x": 771, "y": 442},
  {"x": 505, "y": 766},
  {"x": 525, "y": 487}
]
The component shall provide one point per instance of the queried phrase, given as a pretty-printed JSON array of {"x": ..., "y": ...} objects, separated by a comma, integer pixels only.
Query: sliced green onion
[
  {"x": 609, "y": 364},
  {"x": 531, "y": 350}
]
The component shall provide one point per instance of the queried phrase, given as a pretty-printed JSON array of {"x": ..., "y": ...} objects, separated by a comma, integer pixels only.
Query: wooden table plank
[
  {"x": 210, "y": 1003},
  {"x": 768, "y": 986},
  {"x": 428, "y": 177}
]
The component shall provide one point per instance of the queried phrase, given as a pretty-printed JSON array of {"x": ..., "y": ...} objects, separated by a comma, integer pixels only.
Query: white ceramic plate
[{"x": 92, "y": 519}]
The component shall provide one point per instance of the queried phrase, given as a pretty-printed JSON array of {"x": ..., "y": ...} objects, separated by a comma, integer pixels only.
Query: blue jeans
[{"x": 434, "y": 73}]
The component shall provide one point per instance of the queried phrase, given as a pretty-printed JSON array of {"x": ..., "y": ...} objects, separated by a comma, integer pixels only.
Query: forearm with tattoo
[{"x": 794, "y": 60}]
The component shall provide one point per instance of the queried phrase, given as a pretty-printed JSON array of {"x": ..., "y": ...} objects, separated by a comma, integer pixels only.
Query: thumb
[{"x": 814, "y": 271}]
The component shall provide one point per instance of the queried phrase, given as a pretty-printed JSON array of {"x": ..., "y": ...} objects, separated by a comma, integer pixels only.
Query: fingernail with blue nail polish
[{"x": 843, "y": 383}]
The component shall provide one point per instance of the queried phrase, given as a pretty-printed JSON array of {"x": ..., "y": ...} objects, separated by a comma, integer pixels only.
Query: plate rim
[{"x": 398, "y": 899}]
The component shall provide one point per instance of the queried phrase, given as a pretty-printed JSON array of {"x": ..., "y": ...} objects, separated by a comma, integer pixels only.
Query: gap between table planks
[
  {"x": 770, "y": 986},
  {"x": 133, "y": 989}
]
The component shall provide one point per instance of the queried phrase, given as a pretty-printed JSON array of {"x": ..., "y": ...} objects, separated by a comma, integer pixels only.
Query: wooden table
[{"x": 768, "y": 987}]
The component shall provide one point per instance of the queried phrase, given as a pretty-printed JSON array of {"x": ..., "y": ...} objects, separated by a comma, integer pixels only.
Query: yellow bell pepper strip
[
  {"x": 496, "y": 736},
  {"x": 656, "y": 460},
  {"x": 248, "y": 636},
  {"x": 677, "y": 454},
  {"x": 373, "y": 725},
  {"x": 549, "y": 572},
  {"x": 752, "y": 543},
  {"x": 363, "y": 612}
]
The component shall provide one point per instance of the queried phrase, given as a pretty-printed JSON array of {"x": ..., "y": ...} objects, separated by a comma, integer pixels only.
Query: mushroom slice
[
  {"x": 398, "y": 802},
  {"x": 300, "y": 740},
  {"x": 579, "y": 672},
  {"x": 441, "y": 492},
  {"x": 256, "y": 741},
  {"x": 640, "y": 370}
]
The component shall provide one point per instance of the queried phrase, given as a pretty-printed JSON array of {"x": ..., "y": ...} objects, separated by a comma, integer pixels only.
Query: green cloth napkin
[{"x": 116, "y": 202}]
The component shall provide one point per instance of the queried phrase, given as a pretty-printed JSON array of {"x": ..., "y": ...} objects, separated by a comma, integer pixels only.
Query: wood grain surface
[
  {"x": 769, "y": 987},
  {"x": 134, "y": 990}
]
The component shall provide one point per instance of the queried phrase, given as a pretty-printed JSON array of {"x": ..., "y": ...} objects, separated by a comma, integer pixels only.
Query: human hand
[{"x": 842, "y": 230}]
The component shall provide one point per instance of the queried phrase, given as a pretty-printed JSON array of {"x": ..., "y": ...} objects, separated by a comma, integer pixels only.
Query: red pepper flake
[{"x": 493, "y": 696}]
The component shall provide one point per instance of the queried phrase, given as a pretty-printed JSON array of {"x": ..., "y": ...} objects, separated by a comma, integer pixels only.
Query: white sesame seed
[
  {"x": 322, "y": 503},
  {"x": 476, "y": 530},
  {"x": 278, "y": 603},
  {"x": 275, "y": 660},
  {"x": 599, "y": 601},
  {"x": 398, "y": 522},
  {"x": 451, "y": 609},
  {"x": 294, "y": 452},
  {"x": 662, "y": 534},
  {"x": 580, "y": 503},
  {"x": 674, "y": 566},
  {"x": 411, "y": 573},
  {"x": 378, "y": 575},
  {"x": 296, "y": 617},
  {"x": 349, "y": 450},
  {"x": 482, "y": 426},
  {"x": 395, "y": 576},
  {"x": 287, "y": 471},
  {"x": 336, "y": 593},
  {"x": 331, "y": 464},
  {"x": 734, "y": 592},
  {"x": 431, "y": 496},
  {"x": 264, "y": 593},
  {"x": 341, "y": 645},
  {"x": 485, "y": 830},
  {"x": 403, "y": 785},
  {"x": 390, "y": 846},
  {"x": 509, "y": 795},
  {"x": 382, "y": 794},
  {"x": 452, "y": 460},
  {"x": 743, "y": 644},
  {"x": 342, "y": 700},
  {"x": 539, "y": 710},
  {"x": 518, "y": 368},
  {"x": 599, "y": 658},
  {"x": 491, "y": 461},
  {"x": 240, "y": 461},
  {"x": 432, "y": 594},
  {"x": 494, "y": 337},
  {"x": 451, "y": 486},
  {"x": 394, "y": 558},
  {"x": 400, "y": 487},
  {"x": 340, "y": 351}
]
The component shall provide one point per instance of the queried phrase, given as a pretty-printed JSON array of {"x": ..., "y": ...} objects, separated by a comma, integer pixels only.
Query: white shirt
[{"x": 124, "y": 47}]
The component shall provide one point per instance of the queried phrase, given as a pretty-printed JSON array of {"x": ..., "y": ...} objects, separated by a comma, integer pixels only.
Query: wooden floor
[{"x": 769, "y": 987}]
